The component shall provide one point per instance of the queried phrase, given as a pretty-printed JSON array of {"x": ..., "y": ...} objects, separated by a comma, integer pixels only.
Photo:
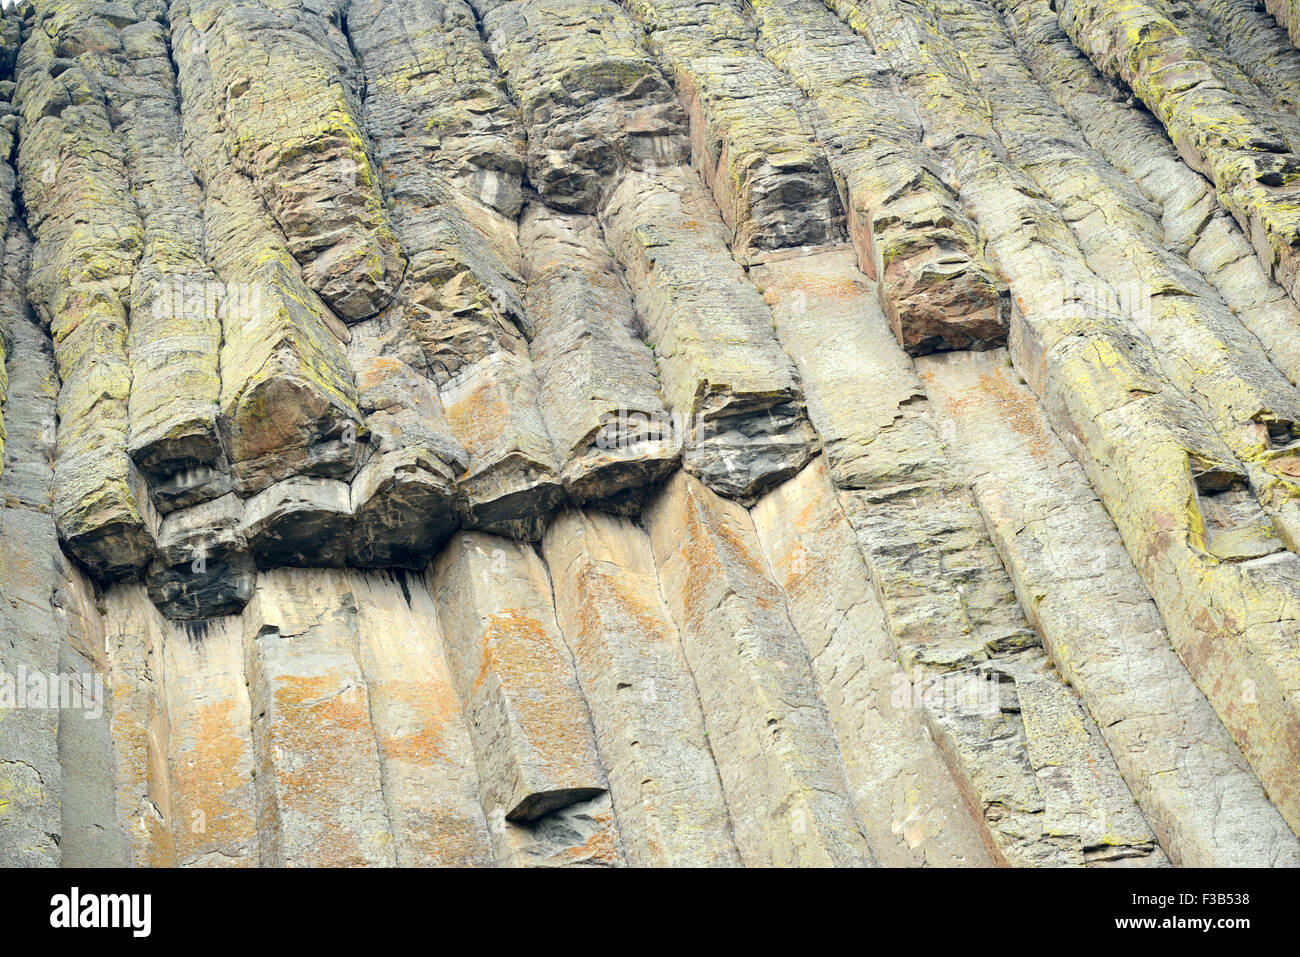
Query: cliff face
[{"x": 684, "y": 432}]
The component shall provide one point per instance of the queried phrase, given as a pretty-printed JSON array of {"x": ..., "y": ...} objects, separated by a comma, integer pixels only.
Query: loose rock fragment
[{"x": 204, "y": 568}]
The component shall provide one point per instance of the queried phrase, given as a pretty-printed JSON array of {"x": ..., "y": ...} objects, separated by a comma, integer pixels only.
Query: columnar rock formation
[{"x": 650, "y": 433}]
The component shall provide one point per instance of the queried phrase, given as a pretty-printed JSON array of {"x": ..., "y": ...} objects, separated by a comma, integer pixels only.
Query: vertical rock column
[
  {"x": 290, "y": 115},
  {"x": 175, "y": 332},
  {"x": 1229, "y": 557},
  {"x": 1193, "y": 222},
  {"x": 1256, "y": 44},
  {"x": 627, "y": 653},
  {"x": 543, "y": 789},
  {"x": 426, "y": 757},
  {"x": 911, "y": 808},
  {"x": 1018, "y": 743},
  {"x": 1106, "y": 396},
  {"x": 317, "y": 767},
  {"x": 88, "y": 235},
  {"x": 726, "y": 382},
  {"x": 1221, "y": 124},
  {"x": 288, "y": 402},
  {"x": 777, "y": 756},
  {"x": 750, "y": 136},
  {"x": 911, "y": 235},
  {"x": 140, "y": 727},
  {"x": 1203, "y": 348},
  {"x": 1099, "y": 624},
  {"x": 212, "y": 761},
  {"x": 600, "y": 386},
  {"x": 448, "y": 151},
  {"x": 31, "y": 785}
]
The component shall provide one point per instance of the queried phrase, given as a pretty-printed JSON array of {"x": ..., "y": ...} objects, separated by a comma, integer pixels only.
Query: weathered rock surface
[
  {"x": 1099, "y": 624},
  {"x": 634, "y": 676},
  {"x": 907, "y": 224},
  {"x": 768, "y": 727},
  {"x": 541, "y": 433}
]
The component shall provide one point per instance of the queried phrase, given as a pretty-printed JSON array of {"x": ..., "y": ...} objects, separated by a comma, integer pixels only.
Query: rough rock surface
[{"x": 547, "y": 433}]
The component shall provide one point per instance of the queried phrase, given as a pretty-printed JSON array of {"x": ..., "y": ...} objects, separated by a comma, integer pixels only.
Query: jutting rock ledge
[{"x": 656, "y": 433}]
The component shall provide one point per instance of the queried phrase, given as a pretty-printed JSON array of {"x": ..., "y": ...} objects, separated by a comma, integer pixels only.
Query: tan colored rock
[
  {"x": 512, "y": 486},
  {"x": 210, "y": 745},
  {"x": 769, "y": 731},
  {"x": 140, "y": 727},
  {"x": 317, "y": 763},
  {"x": 650, "y": 730},
  {"x": 427, "y": 770},
  {"x": 860, "y": 388},
  {"x": 912, "y": 810},
  {"x": 508, "y": 659}
]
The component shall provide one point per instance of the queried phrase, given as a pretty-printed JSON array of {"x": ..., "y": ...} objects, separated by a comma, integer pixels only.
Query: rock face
[{"x": 661, "y": 433}]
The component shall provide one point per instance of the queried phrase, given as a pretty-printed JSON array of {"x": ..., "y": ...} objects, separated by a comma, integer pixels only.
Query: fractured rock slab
[
  {"x": 751, "y": 137},
  {"x": 287, "y": 85},
  {"x": 912, "y": 237},
  {"x": 600, "y": 387}
]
